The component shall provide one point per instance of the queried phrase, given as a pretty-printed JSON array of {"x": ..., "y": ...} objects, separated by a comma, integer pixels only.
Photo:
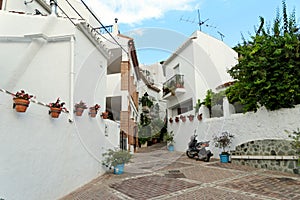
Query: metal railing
[{"x": 176, "y": 81}]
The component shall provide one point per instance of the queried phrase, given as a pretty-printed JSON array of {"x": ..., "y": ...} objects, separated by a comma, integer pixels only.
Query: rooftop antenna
[
  {"x": 200, "y": 22},
  {"x": 221, "y": 35}
]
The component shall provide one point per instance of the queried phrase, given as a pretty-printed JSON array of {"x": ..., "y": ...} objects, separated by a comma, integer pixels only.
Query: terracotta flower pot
[
  {"x": 171, "y": 120},
  {"x": 104, "y": 115},
  {"x": 191, "y": 117},
  {"x": 79, "y": 111},
  {"x": 183, "y": 118},
  {"x": 21, "y": 104},
  {"x": 55, "y": 112},
  {"x": 199, "y": 117},
  {"x": 93, "y": 112}
]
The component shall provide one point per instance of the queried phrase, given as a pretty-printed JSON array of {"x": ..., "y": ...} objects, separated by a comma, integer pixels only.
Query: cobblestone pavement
[{"x": 159, "y": 174}]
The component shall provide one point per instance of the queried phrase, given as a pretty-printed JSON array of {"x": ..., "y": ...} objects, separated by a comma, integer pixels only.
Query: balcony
[{"x": 174, "y": 86}]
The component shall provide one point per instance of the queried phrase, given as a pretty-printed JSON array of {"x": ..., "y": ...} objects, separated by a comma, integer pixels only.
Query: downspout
[
  {"x": 53, "y": 5},
  {"x": 4, "y": 5},
  {"x": 72, "y": 74}
]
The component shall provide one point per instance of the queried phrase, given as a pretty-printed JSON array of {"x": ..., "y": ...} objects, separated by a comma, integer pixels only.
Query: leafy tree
[{"x": 269, "y": 66}]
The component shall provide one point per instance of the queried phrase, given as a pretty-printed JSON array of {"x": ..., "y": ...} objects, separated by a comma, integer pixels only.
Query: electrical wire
[{"x": 103, "y": 26}]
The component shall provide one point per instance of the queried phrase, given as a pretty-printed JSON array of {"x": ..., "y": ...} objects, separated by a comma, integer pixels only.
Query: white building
[
  {"x": 122, "y": 82},
  {"x": 50, "y": 56},
  {"x": 199, "y": 64},
  {"x": 152, "y": 81}
]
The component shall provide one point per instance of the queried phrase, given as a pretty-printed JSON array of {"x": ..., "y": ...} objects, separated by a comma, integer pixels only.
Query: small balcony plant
[
  {"x": 56, "y": 108},
  {"x": 94, "y": 110},
  {"x": 21, "y": 101},
  {"x": 79, "y": 108},
  {"x": 116, "y": 159}
]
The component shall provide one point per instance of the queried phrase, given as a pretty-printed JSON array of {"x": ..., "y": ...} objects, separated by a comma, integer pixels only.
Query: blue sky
[{"x": 159, "y": 27}]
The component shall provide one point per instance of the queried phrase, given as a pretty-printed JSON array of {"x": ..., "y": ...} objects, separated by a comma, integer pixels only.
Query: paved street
[{"x": 159, "y": 174}]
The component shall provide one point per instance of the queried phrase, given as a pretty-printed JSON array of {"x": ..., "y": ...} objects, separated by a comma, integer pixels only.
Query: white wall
[
  {"x": 113, "y": 85},
  {"x": 245, "y": 127},
  {"x": 39, "y": 153},
  {"x": 203, "y": 60}
]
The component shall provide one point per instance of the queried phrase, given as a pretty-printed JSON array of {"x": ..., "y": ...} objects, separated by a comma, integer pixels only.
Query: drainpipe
[
  {"x": 4, "y": 5},
  {"x": 72, "y": 74},
  {"x": 53, "y": 5}
]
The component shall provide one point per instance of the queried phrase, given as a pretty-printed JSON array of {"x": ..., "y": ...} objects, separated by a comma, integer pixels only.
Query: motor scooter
[{"x": 198, "y": 149}]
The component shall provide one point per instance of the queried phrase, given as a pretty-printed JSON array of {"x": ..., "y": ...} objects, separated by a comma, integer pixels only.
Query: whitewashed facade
[
  {"x": 199, "y": 64},
  {"x": 203, "y": 61},
  {"x": 50, "y": 57}
]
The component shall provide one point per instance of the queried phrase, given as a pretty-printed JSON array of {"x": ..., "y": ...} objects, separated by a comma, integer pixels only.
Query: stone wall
[{"x": 267, "y": 147}]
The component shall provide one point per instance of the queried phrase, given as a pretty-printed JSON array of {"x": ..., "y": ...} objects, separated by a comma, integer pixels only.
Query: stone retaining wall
[{"x": 267, "y": 147}]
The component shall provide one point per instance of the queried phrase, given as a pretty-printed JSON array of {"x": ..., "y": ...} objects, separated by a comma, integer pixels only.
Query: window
[{"x": 182, "y": 107}]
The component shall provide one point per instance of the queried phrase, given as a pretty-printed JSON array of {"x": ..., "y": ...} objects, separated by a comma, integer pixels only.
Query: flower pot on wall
[
  {"x": 93, "y": 112},
  {"x": 183, "y": 118},
  {"x": 104, "y": 115},
  {"x": 79, "y": 111},
  {"x": 199, "y": 117},
  {"x": 55, "y": 112},
  {"x": 21, "y": 104},
  {"x": 191, "y": 117}
]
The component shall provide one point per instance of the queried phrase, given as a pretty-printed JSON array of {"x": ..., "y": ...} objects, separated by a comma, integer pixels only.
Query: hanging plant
[
  {"x": 191, "y": 117},
  {"x": 56, "y": 108},
  {"x": 183, "y": 118},
  {"x": 176, "y": 119},
  {"x": 21, "y": 101},
  {"x": 94, "y": 110},
  {"x": 79, "y": 108},
  {"x": 171, "y": 120}
]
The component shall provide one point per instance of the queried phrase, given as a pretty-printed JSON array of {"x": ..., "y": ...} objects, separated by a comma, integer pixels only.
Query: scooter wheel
[{"x": 190, "y": 154}]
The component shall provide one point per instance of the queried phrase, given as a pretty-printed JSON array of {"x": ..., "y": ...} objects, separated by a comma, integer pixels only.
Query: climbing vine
[{"x": 269, "y": 66}]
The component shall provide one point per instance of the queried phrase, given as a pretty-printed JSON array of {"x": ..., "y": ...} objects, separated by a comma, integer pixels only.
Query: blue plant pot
[
  {"x": 224, "y": 158},
  {"x": 171, "y": 147},
  {"x": 119, "y": 169}
]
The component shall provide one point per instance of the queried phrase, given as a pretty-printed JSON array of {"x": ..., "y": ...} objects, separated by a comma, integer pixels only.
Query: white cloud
[{"x": 135, "y": 11}]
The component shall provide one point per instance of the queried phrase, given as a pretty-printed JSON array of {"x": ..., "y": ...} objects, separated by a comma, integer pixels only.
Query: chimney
[
  {"x": 115, "y": 30},
  {"x": 53, "y": 5}
]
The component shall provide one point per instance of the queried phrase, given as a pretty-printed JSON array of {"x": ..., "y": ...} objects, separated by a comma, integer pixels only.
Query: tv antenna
[
  {"x": 199, "y": 22},
  {"x": 221, "y": 35},
  {"x": 202, "y": 23}
]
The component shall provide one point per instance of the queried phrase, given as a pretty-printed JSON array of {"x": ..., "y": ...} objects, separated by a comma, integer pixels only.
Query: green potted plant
[
  {"x": 169, "y": 138},
  {"x": 21, "y": 101},
  {"x": 207, "y": 100},
  {"x": 94, "y": 110},
  {"x": 223, "y": 142},
  {"x": 56, "y": 108},
  {"x": 116, "y": 159},
  {"x": 79, "y": 108}
]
